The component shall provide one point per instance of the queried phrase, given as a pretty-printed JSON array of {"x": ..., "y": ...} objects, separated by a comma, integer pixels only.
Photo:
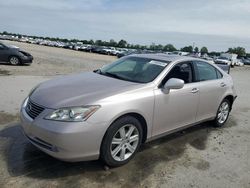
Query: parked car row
[
  {"x": 223, "y": 59},
  {"x": 69, "y": 45}
]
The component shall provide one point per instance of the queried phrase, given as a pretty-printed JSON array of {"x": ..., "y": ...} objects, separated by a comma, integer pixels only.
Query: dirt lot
[
  {"x": 50, "y": 61},
  {"x": 201, "y": 156}
]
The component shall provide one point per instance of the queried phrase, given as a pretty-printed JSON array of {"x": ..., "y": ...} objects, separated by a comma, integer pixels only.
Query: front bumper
[
  {"x": 67, "y": 141},
  {"x": 27, "y": 59}
]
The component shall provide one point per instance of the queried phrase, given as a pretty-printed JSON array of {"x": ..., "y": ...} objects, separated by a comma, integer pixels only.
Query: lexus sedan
[
  {"x": 110, "y": 112},
  {"x": 14, "y": 55}
]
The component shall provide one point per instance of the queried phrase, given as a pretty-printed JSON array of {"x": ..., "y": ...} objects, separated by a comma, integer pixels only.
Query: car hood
[{"x": 77, "y": 90}]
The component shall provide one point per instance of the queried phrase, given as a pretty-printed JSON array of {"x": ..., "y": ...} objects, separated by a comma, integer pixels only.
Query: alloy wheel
[
  {"x": 124, "y": 142},
  {"x": 14, "y": 60},
  {"x": 223, "y": 112}
]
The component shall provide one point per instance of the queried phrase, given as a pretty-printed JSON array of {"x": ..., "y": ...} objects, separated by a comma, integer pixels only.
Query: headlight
[{"x": 74, "y": 114}]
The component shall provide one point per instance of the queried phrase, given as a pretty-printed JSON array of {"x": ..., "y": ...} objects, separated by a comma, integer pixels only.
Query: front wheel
[
  {"x": 121, "y": 141},
  {"x": 13, "y": 60},
  {"x": 222, "y": 113}
]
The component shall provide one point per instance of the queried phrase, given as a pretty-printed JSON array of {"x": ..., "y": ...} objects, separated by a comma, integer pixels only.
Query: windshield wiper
[
  {"x": 99, "y": 71},
  {"x": 112, "y": 75}
]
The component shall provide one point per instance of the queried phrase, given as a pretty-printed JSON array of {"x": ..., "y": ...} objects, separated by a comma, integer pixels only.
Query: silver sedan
[{"x": 110, "y": 112}]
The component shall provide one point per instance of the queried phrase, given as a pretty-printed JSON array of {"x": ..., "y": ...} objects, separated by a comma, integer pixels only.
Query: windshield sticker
[{"x": 162, "y": 64}]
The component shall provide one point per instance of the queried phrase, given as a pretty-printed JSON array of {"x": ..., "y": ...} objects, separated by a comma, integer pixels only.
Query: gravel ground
[{"x": 201, "y": 156}]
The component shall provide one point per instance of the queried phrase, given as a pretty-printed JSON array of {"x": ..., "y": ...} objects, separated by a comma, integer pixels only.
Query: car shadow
[
  {"x": 8, "y": 64},
  {"x": 23, "y": 159}
]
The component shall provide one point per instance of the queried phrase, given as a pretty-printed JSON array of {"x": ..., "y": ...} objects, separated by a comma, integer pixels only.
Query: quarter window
[
  {"x": 206, "y": 71},
  {"x": 219, "y": 74}
]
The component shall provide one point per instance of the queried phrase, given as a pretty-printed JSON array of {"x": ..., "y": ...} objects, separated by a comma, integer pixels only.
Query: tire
[
  {"x": 117, "y": 150},
  {"x": 13, "y": 60},
  {"x": 222, "y": 113}
]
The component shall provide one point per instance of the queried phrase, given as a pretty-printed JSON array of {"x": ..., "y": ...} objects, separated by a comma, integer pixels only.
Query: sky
[{"x": 217, "y": 24}]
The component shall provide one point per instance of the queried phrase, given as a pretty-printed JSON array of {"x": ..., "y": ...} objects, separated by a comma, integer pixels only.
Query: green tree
[
  {"x": 84, "y": 41},
  {"x": 99, "y": 43},
  {"x": 158, "y": 47},
  {"x": 204, "y": 50},
  {"x": 137, "y": 46},
  {"x": 187, "y": 49},
  {"x": 112, "y": 42},
  {"x": 240, "y": 51},
  {"x": 214, "y": 53},
  {"x": 169, "y": 48},
  {"x": 196, "y": 49},
  {"x": 73, "y": 40},
  {"x": 152, "y": 46},
  {"x": 122, "y": 43},
  {"x": 91, "y": 41}
]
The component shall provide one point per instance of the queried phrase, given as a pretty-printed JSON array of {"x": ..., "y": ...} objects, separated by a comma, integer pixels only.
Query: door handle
[
  {"x": 194, "y": 90},
  {"x": 222, "y": 84}
]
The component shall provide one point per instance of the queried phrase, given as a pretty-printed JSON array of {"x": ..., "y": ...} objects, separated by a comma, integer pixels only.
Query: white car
[{"x": 223, "y": 60}]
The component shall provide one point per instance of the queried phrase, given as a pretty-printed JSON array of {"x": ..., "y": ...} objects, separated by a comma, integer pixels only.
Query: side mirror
[{"x": 173, "y": 83}]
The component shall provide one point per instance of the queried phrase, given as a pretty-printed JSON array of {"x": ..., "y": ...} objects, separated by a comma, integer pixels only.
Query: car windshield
[{"x": 134, "y": 69}]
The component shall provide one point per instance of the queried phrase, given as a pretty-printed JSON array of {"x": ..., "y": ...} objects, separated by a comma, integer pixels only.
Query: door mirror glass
[{"x": 173, "y": 83}]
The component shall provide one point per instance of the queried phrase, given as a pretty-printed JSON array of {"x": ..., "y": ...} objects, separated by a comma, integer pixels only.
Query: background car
[
  {"x": 245, "y": 61},
  {"x": 14, "y": 55}
]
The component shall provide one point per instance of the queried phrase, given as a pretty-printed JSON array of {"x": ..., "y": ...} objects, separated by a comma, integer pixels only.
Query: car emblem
[{"x": 29, "y": 107}]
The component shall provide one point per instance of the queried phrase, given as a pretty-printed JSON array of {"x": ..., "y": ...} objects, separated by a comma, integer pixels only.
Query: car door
[
  {"x": 3, "y": 53},
  {"x": 178, "y": 107},
  {"x": 211, "y": 88}
]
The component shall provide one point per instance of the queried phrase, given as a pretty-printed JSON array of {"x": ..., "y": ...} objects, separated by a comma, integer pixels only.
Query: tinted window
[
  {"x": 135, "y": 69},
  {"x": 1, "y": 46},
  {"x": 206, "y": 71},
  {"x": 181, "y": 71}
]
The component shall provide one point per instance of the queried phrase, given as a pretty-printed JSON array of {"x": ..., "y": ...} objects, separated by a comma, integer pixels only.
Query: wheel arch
[
  {"x": 139, "y": 117},
  {"x": 230, "y": 98}
]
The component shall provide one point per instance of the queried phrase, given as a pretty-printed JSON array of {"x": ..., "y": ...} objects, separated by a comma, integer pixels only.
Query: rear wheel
[
  {"x": 121, "y": 141},
  {"x": 222, "y": 113},
  {"x": 13, "y": 60}
]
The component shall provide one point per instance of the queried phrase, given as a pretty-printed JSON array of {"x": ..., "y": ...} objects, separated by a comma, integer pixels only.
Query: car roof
[{"x": 164, "y": 57}]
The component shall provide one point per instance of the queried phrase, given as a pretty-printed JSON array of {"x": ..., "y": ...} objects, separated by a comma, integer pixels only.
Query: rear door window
[{"x": 206, "y": 71}]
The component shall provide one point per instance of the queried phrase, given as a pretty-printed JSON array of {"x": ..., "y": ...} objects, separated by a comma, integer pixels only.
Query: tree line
[{"x": 124, "y": 44}]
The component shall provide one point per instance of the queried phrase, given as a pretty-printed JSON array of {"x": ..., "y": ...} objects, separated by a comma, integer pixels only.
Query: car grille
[{"x": 32, "y": 109}]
